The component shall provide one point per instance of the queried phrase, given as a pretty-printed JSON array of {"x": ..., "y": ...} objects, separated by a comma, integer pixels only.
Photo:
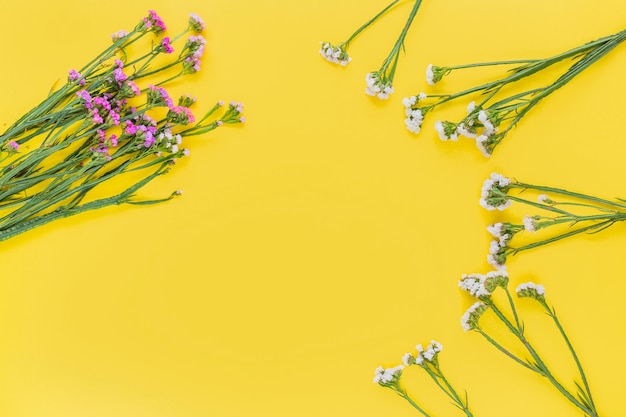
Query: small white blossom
[
  {"x": 491, "y": 193},
  {"x": 480, "y": 144},
  {"x": 377, "y": 87},
  {"x": 440, "y": 127},
  {"x": 408, "y": 359},
  {"x": 409, "y": 102},
  {"x": 430, "y": 75},
  {"x": 414, "y": 121},
  {"x": 497, "y": 231},
  {"x": 529, "y": 223},
  {"x": 334, "y": 54},
  {"x": 469, "y": 320},
  {"x": 463, "y": 130},
  {"x": 387, "y": 376},
  {"x": 530, "y": 289},
  {"x": 543, "y": 199},
  {"x": 471, "y": 106},
  {"x": 474, "y": 284}
]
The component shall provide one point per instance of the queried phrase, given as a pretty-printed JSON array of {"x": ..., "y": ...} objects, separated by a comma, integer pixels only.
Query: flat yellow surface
[{"x": 321, "y": 239}]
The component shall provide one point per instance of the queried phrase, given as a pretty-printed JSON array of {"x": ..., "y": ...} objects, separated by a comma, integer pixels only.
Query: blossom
[
  {"x": 118, "y": 35},
  {"x": 434, "y": 74},
  {"x": 531, "y": 290},
  {"x": 432, "y": 350},
  {"x": 74, "y": 75},
  {"x": 181, "y": 115},
  {"x": 152, "y": 22},
  {"x": 529, "y": 223},
  {"x": 414, "y": 121},
  {"x": 481, "y": 145},
  {"x": 469, "y": 320},
  {"x": 475, "y": 285},
  {"x": 493, "y": 193},
  {"x": 377, "y": 86},
  {"x": 544, "y": 199},
  {"x": 158, "y": 96},
  {"x": 196, "y": 22},
  {"x": 389, "y": 376},
  {"x": 335, "y": 54},
  {"x": 446, "y": 130},
  {"x": 497, "y": 255},
  {"x": 166, "y": 45}
]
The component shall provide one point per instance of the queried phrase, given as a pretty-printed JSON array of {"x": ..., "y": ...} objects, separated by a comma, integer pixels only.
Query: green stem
[{"x": 367, "y": 24}]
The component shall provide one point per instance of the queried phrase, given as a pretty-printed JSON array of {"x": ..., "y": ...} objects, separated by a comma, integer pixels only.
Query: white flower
[
  {"x": 471, "y": 106},
  {"x": 480, "y": 144},
  {"x": 474, "y": 284},
  {"x": 334, "y": 54},
  {"x": 440, "y": 127},
  {"x": 497, "y": 231},
  {"x": 529, "y": 223},
  {"x": 186, "y": 152},
  {"x": 174, "y": 148},
  {"x": 491, "y": 193},
  {"x": 386, "y": 376},
  {"x": 408, "y": 359},
  {"x": 469, "y": 320},
  {"x": 430, "y": 76},
  {"x": 409, "y": 102},
  {"x": 543, "y": 199},
  {"x": 530, "y": 289},
  {"x": 414, "y": 121},
  {"x": 463, "y": 130}
]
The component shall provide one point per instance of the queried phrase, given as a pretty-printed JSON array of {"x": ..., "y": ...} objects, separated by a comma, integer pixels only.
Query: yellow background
[{"x": 321, "y": 239}]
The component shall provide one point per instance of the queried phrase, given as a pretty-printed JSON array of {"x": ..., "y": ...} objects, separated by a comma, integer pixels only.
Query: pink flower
[
  {"x": 166, "y": 45},
  {"x": 119, "y": 75},
  {"x": 153, "y": 22},
  {"x": 74, "y": 75},
  {"x": 196, "y": 22},
  {"x": 13, "y": 146},
  {"x": 118, "y": 35}
]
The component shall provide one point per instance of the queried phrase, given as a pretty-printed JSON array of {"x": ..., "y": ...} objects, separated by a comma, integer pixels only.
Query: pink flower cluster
[
  {"x": 104, "y": 144},
  {"x": 143, "y": 127},
  {"x": 181, "y": 114},
  {"x": 195, "y": 46},
  {"x": 153, "y": 22},
  {"x": 157, "y": 96},
  {"x": 74, "y": 75},
  {"x": 196, "y": 23},
  {"x": 166, "y": 45},
  {"x": 102, "y": 108}
]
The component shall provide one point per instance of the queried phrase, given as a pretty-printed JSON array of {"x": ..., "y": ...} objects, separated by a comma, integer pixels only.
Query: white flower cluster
[
  {"x": 414, "y": 117},
  {"x": 429, "y": 354},
  {"x": 387, "y": 376},
  {"x": 498, "y": 231},
  {"x": 171, "y": 142},
  {"x": 377, "y": 86},
  {"x": 529, "y": 224},
  {"x": 491, "y": 197},
  {"x": 475, "y": 284},
  {"x": 530, "y": 289},
  {"x": 469, "y": 321},
  {"x": 334, "y": 54},
  {"x": 447, "y": 130}
]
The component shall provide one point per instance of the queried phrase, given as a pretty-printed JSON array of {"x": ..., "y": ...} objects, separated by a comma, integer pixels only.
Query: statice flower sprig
[
  {"x": 492, "y": 116},
  {"x": 96, "y": 128},
  {"x": 338, "y": 54},
  {"x": 380, "y": 82},
  {"x": 426, "y": 359},
  {"x": 482, "y": 288},
  {"x": 567, "y": 213}
]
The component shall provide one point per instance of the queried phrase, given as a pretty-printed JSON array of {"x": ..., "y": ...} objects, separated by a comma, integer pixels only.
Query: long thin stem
[{"x": 367, "y": 24}]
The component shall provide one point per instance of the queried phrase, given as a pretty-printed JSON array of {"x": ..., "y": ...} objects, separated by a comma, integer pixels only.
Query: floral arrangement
[
  {"x": 490, "y": 118},
  {"x": 102, "y": 124},
  {"x": 491, "y": 115},
  {"x": 568, "y": 213},
  {"x": 482, "y": 288}
]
